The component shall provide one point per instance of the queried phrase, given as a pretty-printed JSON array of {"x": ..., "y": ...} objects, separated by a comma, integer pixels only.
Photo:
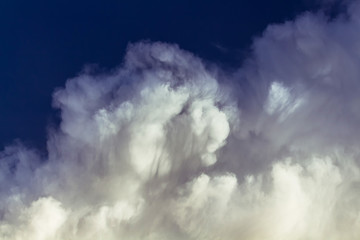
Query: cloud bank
[{"x": 169, "y": 147}]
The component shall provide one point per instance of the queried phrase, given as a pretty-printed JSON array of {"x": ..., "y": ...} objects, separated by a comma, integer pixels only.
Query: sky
[
  {"x": 45, "y": 43},
  {"x": 180, "y": 121}
]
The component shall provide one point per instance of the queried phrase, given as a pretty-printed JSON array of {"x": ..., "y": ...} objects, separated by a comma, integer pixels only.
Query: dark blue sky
[{"x": 43, "y": 43}]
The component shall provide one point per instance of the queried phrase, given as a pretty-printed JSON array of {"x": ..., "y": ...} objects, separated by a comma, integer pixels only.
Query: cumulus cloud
[{"x": 169, "y": 147}]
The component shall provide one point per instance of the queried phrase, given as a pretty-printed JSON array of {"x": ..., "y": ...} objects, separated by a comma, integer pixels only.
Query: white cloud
[{"x": 160, "y": 149}]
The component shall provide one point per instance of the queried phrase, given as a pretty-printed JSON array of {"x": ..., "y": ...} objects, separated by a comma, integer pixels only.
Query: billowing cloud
[{"x": 169, "y": 147}]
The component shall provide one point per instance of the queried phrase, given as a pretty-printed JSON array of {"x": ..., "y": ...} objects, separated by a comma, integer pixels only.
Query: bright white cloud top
[{"x": 167, "y": 147}]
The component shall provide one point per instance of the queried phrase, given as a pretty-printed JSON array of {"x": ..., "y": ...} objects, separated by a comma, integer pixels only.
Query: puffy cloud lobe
[{"x": 159, "y": 149}]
